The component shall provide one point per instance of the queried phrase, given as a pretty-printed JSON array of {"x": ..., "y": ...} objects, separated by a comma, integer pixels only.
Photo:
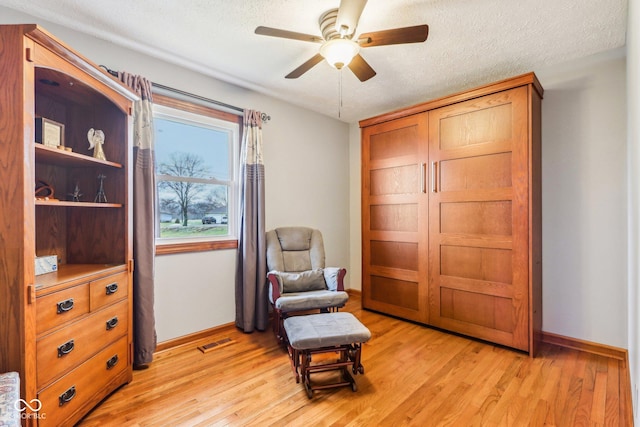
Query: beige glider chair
[{"x": 298, "y": 278}]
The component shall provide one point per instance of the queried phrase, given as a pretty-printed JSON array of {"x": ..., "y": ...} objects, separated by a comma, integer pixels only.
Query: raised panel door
[
  {"x": 478, "y": 224},
  {"x": 394, "y": 213}
]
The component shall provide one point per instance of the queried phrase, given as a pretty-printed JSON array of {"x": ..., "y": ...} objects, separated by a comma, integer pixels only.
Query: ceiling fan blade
[
  {"x": 348, "y": 16},
  {"x": 275, "y": 32},
  {"x": 317, "y": 58},
  {"x": 361, "y": 68},
  {"x": 415, "y": 34}
]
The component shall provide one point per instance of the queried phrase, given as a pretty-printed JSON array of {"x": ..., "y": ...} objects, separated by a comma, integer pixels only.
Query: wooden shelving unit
[{"x": 52, "y": 326}]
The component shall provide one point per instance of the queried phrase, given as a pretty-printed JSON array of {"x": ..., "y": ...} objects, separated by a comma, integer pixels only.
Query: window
[{"x": 196, "y": 155}]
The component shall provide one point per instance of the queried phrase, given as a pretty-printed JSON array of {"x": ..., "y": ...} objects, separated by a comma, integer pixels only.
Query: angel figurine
[{"x": 96, "y": 140}]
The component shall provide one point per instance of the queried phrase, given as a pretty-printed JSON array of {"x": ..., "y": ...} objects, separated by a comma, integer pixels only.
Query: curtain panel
[
  {"x": 251, "y": 289},
  {"x": 144, "y": 330}
]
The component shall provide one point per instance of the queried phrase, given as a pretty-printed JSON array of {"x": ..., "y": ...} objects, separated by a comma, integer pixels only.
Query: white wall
[
  {"x": 355, "y": 213},
  {"x": 583, "y": 195},
  {"x": 633, "y": 140},
  {"x": 306, "y": 167},
  {"x": 584, "y": 199}
]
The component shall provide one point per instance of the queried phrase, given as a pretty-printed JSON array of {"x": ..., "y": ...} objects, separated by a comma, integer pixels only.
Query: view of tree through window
[{"x": 194, "y": 175}]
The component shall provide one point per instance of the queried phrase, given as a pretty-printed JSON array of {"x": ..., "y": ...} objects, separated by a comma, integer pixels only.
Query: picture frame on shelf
[{"x": 49, "y": 133}]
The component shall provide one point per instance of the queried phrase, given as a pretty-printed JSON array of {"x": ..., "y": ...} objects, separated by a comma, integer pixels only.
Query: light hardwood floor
[{"x": 414, "y": 376}]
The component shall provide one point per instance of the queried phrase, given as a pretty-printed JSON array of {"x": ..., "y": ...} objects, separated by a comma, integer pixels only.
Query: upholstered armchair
[{"x": 298, "y": 278}]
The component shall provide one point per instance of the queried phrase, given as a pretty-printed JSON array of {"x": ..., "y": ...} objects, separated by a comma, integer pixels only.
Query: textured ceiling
[{"x": 471, "y": 42}]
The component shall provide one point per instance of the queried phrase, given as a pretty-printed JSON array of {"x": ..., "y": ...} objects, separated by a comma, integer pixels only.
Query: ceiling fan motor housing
[{"x": 327, "y": 23}]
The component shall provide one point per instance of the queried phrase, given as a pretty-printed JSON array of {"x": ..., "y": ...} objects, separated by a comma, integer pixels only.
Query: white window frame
[{"x": 232, "y": 129}]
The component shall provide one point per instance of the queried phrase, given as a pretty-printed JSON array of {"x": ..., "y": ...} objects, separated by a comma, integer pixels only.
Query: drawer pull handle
[
  {"x": 66, "y": 348},
  {"x": 112, "y": 288},
  {"x": 112, "y": 362},
  {"x": 112, "y": 323},
  {"x": 64, "y": 306},
  {"x": 67, "y": 396}
]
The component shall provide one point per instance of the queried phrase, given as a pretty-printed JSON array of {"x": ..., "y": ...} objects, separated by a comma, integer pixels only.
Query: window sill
[{"x": 180, "y": 248}]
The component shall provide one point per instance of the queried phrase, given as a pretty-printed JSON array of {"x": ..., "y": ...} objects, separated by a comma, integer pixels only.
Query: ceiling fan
[{"x": 338, "y": 45}]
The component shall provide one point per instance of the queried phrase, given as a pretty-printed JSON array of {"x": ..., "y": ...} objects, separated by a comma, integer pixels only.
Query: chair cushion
[
  {"x": 294, "y": 249},
  {"x": 311, "y": 280},
  {"x": 294, "y": 238},
  {"x": 297, "y": 260},
  {"x": 331, "y": 277},
  {"x": 311, "y": 300},
  {"x": 316, "y": 331}
]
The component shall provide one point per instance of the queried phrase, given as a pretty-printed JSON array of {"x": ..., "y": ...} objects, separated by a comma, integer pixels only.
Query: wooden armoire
[
  {"x": 67, "y": 332},
  {"x": 451, "y": 213}
]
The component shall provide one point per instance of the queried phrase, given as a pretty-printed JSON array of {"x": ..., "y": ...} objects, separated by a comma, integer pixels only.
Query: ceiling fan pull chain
[{"x": 340, "y": 94}]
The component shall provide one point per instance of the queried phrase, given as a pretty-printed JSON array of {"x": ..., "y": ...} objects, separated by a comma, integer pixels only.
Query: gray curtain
[
  {"x": 144, "y": 324},
  {"x": 251, "y": 290}
]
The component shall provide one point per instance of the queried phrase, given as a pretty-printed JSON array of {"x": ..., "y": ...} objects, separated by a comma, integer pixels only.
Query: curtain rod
[{"x": 264, "y": 116}]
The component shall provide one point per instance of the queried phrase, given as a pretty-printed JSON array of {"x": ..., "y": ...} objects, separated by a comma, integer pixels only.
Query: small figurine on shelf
[
  {"x": 100, "y": 196},
  {"x": 75, "y": 196},
  {"x": 44, "y": 191},
  {"x": 96, "y": 141}
]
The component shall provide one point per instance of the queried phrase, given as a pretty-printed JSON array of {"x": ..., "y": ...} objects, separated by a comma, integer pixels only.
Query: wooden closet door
[
  {"x": 479, "y": 221},
  {"x": 395, "y": 217}
]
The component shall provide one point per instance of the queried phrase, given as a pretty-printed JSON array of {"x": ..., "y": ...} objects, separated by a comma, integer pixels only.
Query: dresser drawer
[
  {"x": 59, "y": 307},
  {"x": 62, "y": 350},
  {"x": 108, "y": 290},
  {"x": 70, "y": 393}
]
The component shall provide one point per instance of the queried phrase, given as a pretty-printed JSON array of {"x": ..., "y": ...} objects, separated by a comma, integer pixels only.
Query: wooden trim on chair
[{"x": 586, "y": 346}]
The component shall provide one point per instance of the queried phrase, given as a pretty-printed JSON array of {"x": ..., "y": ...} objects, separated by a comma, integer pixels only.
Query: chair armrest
[
  {"x": 341, "y": 274},
  {"x": 336, "y": 277},
  {"x": 275, "y": 286}
]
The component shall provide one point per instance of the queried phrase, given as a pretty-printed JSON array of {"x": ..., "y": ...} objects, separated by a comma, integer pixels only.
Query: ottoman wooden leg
[
  {"x": 356, "y": 352},
  {"x": 306, "y": 373},
  {"x": 294, "y": 358}
]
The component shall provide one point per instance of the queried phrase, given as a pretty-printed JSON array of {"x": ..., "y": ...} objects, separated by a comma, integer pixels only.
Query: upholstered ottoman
[{"x": 337, "y": 332}]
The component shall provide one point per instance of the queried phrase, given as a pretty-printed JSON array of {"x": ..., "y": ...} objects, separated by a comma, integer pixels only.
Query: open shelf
[
  {"x": 67, "y": 203},
  {"x": 72, "y": 273},
  {"x": 60, "y": 157}
]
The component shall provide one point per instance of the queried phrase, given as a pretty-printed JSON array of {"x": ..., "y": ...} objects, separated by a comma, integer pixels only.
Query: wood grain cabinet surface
[
  {"x": 451, "y": 213},
  {"x": 68, "y": 332}
]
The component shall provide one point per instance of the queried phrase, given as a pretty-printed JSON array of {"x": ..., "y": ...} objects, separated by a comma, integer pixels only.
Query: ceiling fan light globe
[{"x": 339, "y": 52}]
